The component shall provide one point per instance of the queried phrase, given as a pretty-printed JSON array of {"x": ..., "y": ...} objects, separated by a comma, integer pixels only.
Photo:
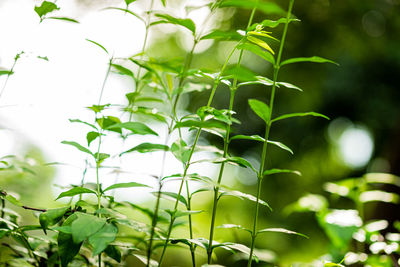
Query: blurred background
[{"x": 361, "y": 97}]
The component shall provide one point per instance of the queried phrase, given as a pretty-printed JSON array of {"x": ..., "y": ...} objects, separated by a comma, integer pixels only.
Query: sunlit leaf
[
  {"x": 123, "y": 71},
  {"x": 222, "y": 35},
  {"x": 134, "y": 127},
  {"x": 261, "y": 109},
  {"x": 289, "y": 85},
  {"x": 174, "y": 196},
  {"x": 187, "y": 23},
  {"x": 280, "y": 145},
  {"x": 179, "y": 213},
  {"x": 99, "y": 45},
  {"x": 307, "y": 59},
  {"x": 125, "y": 185},
  {"x": 377, "y": 195},
  {"x": 274, "y": 171},
  {"x": 180, "y": 150},
  {"x": 292, "y": 115},
  {"x": 265, "y": 7},
  {"x": 100, "y": 157},
  {"x": 128, "y": 2},
  {"x": 64, "y": 18},
  {"x": 85, "y": 226},
  {"x": 125, "y": 10},
  {"x": 280, "y": 230},
  {"x": 91, "y": 136},
  {"x": 233, "y": 226},
  {"x": 274, "y": 23},
  {"x": 76, "y": 191},
  {"x": 78, "y": 146},
  {"x": 241, "y": 73},
  {"x": 260, "y": 43},
  {"x": 6, "y": 72},
  {"x": 242, "y": 195},
  {"x": 257, "y": 51},
  {"x": 13, "y": 200},
  {"x": 147, "y": 147},
  {"x": 209, "y": 124},
  {"x": 248, "y": 137},
  {"x": 83, "y": 122}
]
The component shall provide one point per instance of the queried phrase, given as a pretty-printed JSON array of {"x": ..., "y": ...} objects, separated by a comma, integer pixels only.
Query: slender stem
[
  {"x": 35, "y": 209},
  {"x": 105, "y": 80},
  {"x": 226, "y": 147},
  {"x": 146, "y": 35},
  {"x": 267, "y": 131},
  {"x": 3, "y": 206},
  {"x": 10, "y": 73}
]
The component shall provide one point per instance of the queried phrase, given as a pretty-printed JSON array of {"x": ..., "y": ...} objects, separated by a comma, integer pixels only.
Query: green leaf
[
  {"x": 180, "y": 150},
  {"x": 242, "y": 195},
  {"x": 76, "y": 191},
  {"x": 113, "y": 252},
  {"x": 64, "y": 18},
  {"x": 261, "y": 109},
  {"x": 163, "y": 2},
  {"x": 265, "y": 7},
  {"x": 100, "y": 157},
  {"x": 134, "y": 127},
  {"x": 308, "y": 59},
  {"x": 45, "y": 8},
  {"x": 91, "y": 136},
  {"x": 102, "y": 238},
  {"x": 147, "y": 147},
  {"x": 174, "y": 196},
  {"x": 289, "y": 85},
  {"x": 209, "y": 124},
  {"x": 51, "y": 217},
  {"x": 85, "y": 226},
  {"x": 179, "y": 213},
  {"x": 222, "y": 35},
  {"x": 125, "y": 185},
  {"x": 106, "y": 122},
  {"x": 260, "y": 43},
  {"x": 99, "y": 108},
  {"x": 257, "y": 51},
  {"x": 273, "y": 23},
  {"x": 128, "y": 2},
  {"x": 187, "y": 23},
  {"x": 83, "y": 122},
  {"x": 331, "y": 264},
  {"x": 123, "y": 71},
  {"x": 280, "y": 230},
  {"x": 280, "y": 145},
  {"x": 274, "y": 171},
  {"x": 241, "y": 73},
  {"x": 99, "y": 45},
  {"x": 248, "y": 137},
  {"x": 67, "y": 248},
  {"x": 207, "y": 113},
  {"x": 233, "y": 226},
  {"x": 13, "y": 200},
  {"x": 6, "y": 72},
  {"x": 292, "y": 115},
  {"x": 260, "y": 80},
  {"x": 78, "y": 146}
]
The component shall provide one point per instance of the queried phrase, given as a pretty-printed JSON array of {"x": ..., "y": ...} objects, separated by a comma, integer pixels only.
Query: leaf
[
  {"x": 242, "y": 195},
  {"x": 332, "y": 264},
  {"x": 99, "y": 45},
  {"x": 51, "y": 217},
  {"x": 222, "y": 35},
  {"x": 123, "y": 71},
  {"x": 85, "y": 226},
  {"x": 128, "y": 2},
  {"x": 209, "y": 124},
  {"x": 106, "y": 122},
  {"x": 241, "y": 162},
  {"x": 280, "y": 145},
  {"x": 275, "y": 171},
  {"x": 125, "y": 185},
  {"x": 13, "y": 200},
  {"x": 257, "y": 51},
  {"x": 248, "y": 137},
  {"x": 178, "y": 213},
  {"x": 83, "y": 122},
  {"x": 6, "y": 72},
  {"x": 265, "y": 7},
  {"x": 260, "y": 43},
  {"x": 45, "y": 8},
  {"x": 134, "y": 127},
  {"x": 113, "y": 252},
  {"x": 261, "y": 109},
  {"x": 147, "y": 147},
  {"x": 187, "y": 23},
  {"x": 260, "y": 80},
  {"x": 99, "y": 108},
  {"x": 241, "y": 73},
  {"x": 274, "y": 23},
  {"x": 292, "y": 115},
  {"x": 67, "y": 248},
  {"x": 233, "y": 226},
  {"x": 102, "y": 238},
  {"x": 308, "y": 59},
  {"x": 78, "y": 146},
  {"x": 290, "y": 86},
  {"x": 206, "y": 113},
  {"x": 163, "y": 2},
  {"x": 280, "y": 230},
  {"x": 91, "y": 136},
  {"x": 64, "y": 18},
  {"x": 180, "y": 150},
  {"x": 175, "y": 196},
  {"x": 100, "y": 157},
  {"x": 76, "y": 191}
]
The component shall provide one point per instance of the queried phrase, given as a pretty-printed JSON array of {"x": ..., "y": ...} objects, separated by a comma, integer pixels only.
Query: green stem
[
  {"x": 105, "y": 80},
  {"x": 226, "y": 147},
  {"x": 267, "y": 131},
  {"x": 11, "y": 72}
]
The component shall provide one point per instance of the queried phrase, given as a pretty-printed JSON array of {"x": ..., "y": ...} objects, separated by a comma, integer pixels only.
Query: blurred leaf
[
  {"x": 13, "y": 200},
  {"x": 45, "y": 8},
  {"x": 134, "y": 127},
  {"x": 147, "y": 147},
  {"x": 307, "y": 59},
  {"x": 274, "y": 171},
  {"x": 233, "y": 226},
  {"x": 206, "y": 113},
  {"x": 292, "y": 115},
  {"x": 280, "y": 230},
  {"x": 180, "y": 150},
  {"x": 222, "y": 35},
  {"x": 248, "y": 137},
  {"x": 260, "y": 80},
  {"x": 377, "y": 195},
  {"x": 78, "y": 146},
  {"x": 309, "y": 202},
  {"x": 289, "y": 85},
  {"x": 280, "y": 145},
  {"x": 99, "y": 45},
  {"x": 91, "y": 136},
  {"x": 113, "y": 252},
  {"x": 257, "y": 51},
  {"x": 384, "y": 178},
  {"x": 241, "y": 73},
  {"x": 331, "y": 264},
  {"x": 99, "y": 108},
  {"x": 85, "y": 226},
  {"x": 43, "y": 58},
  {"x": 265, "y": 7},
  {"x": 6, "y": 72},
  {"x": 51, "y": 217},
  {"x": 142, "y": 258},
  {"x": 242, "y": 195},
  {"x": 64, "y": 18},
  {"x": 102, "y": 238},
  {"x": 125, "y": 185},
  {"x": 273, "y": 23},
  {"x": 210, "y": 124},
  {"x": 187, "y": 23},
  {"x": 260, "y": 43},
  {"x": 76, "y": 191},
  {"x": 261, "y": 109},
  {"x": 179, "y": 213},
  {"x": 174, "y": 196}
]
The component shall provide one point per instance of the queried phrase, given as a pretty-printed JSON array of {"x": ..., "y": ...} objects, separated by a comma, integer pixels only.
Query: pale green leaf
[
  {"x": 307, "y": 59},
  {"x": 302, "y": 114},
  {"x": 125, "y": 185}
]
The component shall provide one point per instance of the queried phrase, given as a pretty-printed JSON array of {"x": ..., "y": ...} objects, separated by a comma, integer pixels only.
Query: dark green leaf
[
  {"x": 292, "y": 115},
  {"x": 51, "y": 217},
  {"x": 258, "y": 51},
  {"x": 91, "y": 136},
  {"x": 45, "y": 7},
  {"x": 128, "y": 2},
  {"x": 67, "y": 248},
  {"x": 125, "y": 185},
  {"x": 187, "y": 23},
  {"x": 76, "y": 191},
  {"x": 102, "y": 238},
  {"x": 85, "y": 226},
  {"x": 64, "y": 18},
  {"x": 280, "y": 145},
  {"x": 78, "y": 146},
  {"x": 274, "y": 171},
  {"x": 134, "y": 127},
  {"x": 123, "y": 71},
  {"x": 261, "y": 109},
  {"x": 308, "y": 59},
  {"x": 222, "y": 35},
  {"x": 265, "y": 7},
  {"x": 6, "y": 72},
  {"x": 113, "y": 252},
  {"x": 248, "y": 137},
  {"x": 147, "y": 147},
  {"x": 280, "y": 230},
  {"x": 99, "y": 45}
]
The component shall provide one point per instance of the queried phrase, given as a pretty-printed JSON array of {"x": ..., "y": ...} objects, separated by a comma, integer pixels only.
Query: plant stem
[
  {"x": 105, "y": 80},
  {"x": 10, "y": 73},
  {"x": 267, "y": 131},
  {"x": 226, "y": 147}
]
